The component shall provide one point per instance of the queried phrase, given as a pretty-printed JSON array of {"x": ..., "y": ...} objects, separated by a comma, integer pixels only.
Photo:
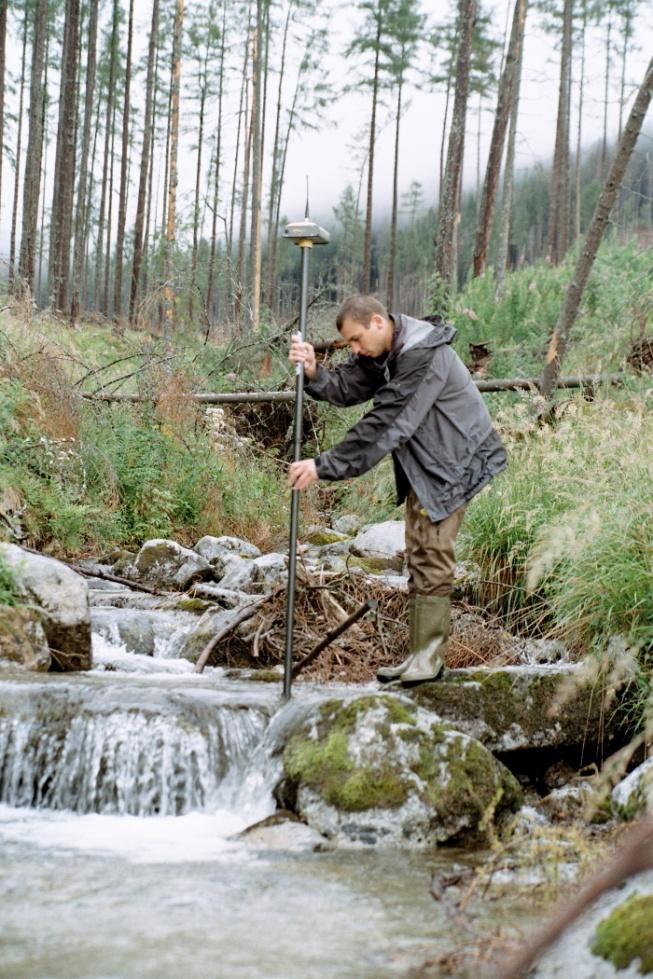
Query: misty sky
[{"x": 330, "y": 156}]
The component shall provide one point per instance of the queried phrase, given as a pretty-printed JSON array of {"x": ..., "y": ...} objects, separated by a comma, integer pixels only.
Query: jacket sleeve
[
  {"x": 400, "y": 407},
  {"x": 343, "y": 385}
]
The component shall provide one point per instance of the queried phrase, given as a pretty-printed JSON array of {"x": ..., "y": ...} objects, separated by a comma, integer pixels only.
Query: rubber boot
[
  {"x": 389, "y": 673},
  {"x": 432, "y": 627}
]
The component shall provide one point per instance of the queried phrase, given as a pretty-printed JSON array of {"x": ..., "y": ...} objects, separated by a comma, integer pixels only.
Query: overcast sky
[{"x": 328, "y": 157}]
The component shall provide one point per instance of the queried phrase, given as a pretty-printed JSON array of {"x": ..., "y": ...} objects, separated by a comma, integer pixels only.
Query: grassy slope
[{"x": 565, "y": 534}]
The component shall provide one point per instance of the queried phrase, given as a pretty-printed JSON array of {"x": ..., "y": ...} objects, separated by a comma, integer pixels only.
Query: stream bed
[{"x": 122, "y": 794}]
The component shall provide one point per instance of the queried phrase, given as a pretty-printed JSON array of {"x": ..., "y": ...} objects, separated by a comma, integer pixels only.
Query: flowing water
[{"x": 122, "y": 794}]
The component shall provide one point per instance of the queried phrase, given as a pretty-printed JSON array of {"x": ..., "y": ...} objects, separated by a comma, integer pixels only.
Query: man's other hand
[
  {"x": 303, "y": 353},
  {"x": 302, "y": 474}
]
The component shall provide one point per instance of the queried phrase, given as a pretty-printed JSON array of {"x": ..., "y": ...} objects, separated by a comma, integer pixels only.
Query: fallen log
[{"x": 486, "y": 386}]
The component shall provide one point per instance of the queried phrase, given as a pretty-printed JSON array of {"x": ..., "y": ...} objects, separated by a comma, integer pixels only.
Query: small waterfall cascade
[{"x": 132, "y": 750}]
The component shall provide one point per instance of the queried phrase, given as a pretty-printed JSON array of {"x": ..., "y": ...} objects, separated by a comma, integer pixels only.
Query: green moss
[
  {"x": 327, "y": 767},
  {"x": 322, "y": 537},
  {"x": 194, "y": 605},
  {"x": 265, "y": 676},
  {"x": 627, "y": 934},
  {"x": 375, "y": 565},
  {"x": 324, "y": 763}
]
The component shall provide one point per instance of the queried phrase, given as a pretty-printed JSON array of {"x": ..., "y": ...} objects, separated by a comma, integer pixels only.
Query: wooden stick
[{"x": 369, "y": 606}]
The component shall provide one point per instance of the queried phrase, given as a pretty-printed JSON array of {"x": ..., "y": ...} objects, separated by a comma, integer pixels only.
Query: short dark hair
[{"x": 360, "y": 309}]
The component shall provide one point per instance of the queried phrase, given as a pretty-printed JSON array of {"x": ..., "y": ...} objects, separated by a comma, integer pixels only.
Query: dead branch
[
  {"x": 105, "y": 575},
  {"x": 246, "y": 612},
  {"x": 369, "y": 606}
]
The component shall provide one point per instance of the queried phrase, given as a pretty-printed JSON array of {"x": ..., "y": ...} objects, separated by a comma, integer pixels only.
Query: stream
[{"x": 122, "y": 794}]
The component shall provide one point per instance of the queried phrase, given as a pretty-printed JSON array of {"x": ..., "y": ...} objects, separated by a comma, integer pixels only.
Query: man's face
[{"x": 368, "y": 341}]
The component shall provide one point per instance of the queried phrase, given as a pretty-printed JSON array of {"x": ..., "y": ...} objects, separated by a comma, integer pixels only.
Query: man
[{"x": 428, "y": 413}]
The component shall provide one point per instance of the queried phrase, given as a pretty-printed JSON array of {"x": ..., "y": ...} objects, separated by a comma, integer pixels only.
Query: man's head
[{"x": 364, "y": 323}]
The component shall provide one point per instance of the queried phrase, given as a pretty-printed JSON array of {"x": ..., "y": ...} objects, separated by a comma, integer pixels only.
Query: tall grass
[{"x": 565, "y": 536}]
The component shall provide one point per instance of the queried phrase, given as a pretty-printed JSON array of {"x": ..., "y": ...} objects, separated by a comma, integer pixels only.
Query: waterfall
[{"x": 90, "y": 753}]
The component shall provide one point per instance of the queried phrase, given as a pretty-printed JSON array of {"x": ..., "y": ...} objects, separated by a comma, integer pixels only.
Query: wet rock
[
  {"x": 633, "y": 796},
  {"x": 218, "y": 595},
  {"x": 210, "y": 623},
  {"x": 284, "y": 830},
  {"x": 379, "y": 770},
  {"x": 131, "y": 628},
  {"x": 348, "y": 523},
  {"x": 216, "y": 548},
  {"x": 380, "y": 547},
  {"x": 23, "y": 644},
  {"x": 165, "y": 564},
  {"x": 521, "y": 707},
  {"x": 61, "y": 596}
]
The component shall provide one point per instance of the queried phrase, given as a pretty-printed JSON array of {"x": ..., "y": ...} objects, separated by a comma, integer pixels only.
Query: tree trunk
[
  {"x": 19, "y": 140},
  {"x": 124, "y": 159},
  {"x": 107, "y": 250},
  {"x": 392, "y": 256},
  {"x": 113, "y": 44},
  {"x": 217, "y": 171},
  {"x": 82, "y": 204},
  {"x": 504, "y": 108},
  {"x": 444, "y": 250},
  {"x": 509, "y": 177},
  {"x": 171, "y": 227},
  {"x": 272, "y": 231},
  {"x": 64, "y": 168},
  {"x": 367, "y": 240},
  {"x": 559, "y": 207},
  {"x": 257, "y": 168},
  {"x": 3, "y": 42},
  {"x": 241, "y": 270},
  {"x": 606, "y": 91},
  {"x": 579, "y": 131},
  {"x": 594, "y": 235},
  {"x": 34, "y": 155},
  {"x": 44, "y": 168},
  {"x": 142, "y": 285},
  {"x": 145, "y": 162}
]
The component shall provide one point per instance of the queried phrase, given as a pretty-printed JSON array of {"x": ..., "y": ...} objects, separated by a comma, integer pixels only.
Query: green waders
[{"x": 429, "y": 618}]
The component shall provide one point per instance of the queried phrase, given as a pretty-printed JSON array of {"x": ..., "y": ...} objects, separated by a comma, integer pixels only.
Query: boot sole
[{"x": 415, "y": 681}]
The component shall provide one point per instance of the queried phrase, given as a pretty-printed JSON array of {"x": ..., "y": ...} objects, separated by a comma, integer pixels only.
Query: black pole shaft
[{"x": 294, "y": 504}]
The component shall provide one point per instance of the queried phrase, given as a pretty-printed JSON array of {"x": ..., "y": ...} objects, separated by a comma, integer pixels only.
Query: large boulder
[
  {"x": 522, "y": 707},
  {"x": 380, "y": 547},
  {"x": 165, "y": 564},
  {"x": 23, "y": 644},
  {"x": 216, "y": 548},
  {"x": 378, "y": 769},
  {"x": 61, "y": 597}
]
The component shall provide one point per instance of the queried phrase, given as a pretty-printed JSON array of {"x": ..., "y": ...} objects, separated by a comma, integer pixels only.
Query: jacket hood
[{"x": 411, "y": 332}]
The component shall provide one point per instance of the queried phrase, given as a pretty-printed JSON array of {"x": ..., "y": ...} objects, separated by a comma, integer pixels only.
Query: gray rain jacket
[{"x": 427, "y": 412}]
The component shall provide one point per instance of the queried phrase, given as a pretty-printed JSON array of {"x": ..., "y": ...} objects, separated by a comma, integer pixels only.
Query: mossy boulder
[
  {"x": 167, "y": 565},
  {"x": 61, "y": 598},
  {"x": 626, "y": 935},
  {"x": 522, "y": 707},
  {"x": 378, "y": 769},
  {"x": 381, "y": 546}
]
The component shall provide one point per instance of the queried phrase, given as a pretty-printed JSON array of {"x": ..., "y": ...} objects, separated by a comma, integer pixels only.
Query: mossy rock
[
  {"x": 627, "y": 934},
  {"x": 379, "y": 769},
  {"x": 323, "y": 536},
  {"x": 522, "y": 707}
]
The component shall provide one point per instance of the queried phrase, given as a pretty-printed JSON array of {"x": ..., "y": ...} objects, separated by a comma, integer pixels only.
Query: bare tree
[
  {"x": 501, "y": 118},
  {"x": 19, "y": 138},
  {"x": 559, "y": 209},
  {"x": 171, "y": 221},
  {"x": 145, "y": 161},
  {"x": 594, "y": 235},
  {"x": 33, "y": 158},
  {"x": 82, "y": 203},
  {"x": 444, "y": 249},
  {"x": 124, "y": 159}
]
